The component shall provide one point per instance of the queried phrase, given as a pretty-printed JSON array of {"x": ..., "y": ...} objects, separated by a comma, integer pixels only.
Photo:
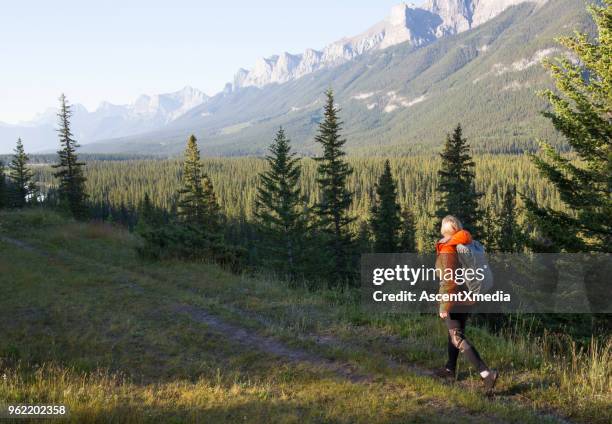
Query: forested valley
[{"x": 118, "y": 187}]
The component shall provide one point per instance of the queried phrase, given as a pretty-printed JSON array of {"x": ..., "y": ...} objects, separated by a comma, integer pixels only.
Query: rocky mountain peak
[
  {"x": 397, "y": 16},
  {"x": 405, "y": 23},
  {"x": 456, "y": 15}
]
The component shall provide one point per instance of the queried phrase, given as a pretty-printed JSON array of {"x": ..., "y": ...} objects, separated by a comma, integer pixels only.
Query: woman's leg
[
  {"x": 453, "y": 355},
  {"x": 456, "y": 332},
  {"x": 453, "y": 352}
]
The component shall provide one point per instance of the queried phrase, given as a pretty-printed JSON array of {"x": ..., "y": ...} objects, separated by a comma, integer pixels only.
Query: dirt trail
[
  {"x": 249, "y": 339},
  {"x": 329, "y": 341}
]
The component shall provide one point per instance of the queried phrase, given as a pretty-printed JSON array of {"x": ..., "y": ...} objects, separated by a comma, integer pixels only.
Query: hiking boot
[
  {"x": 445, "y": 373},
  {"x": 490, "y": 380}
]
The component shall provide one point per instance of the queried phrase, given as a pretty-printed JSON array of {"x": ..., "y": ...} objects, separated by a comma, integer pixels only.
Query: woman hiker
[{"x": 456, "y": 314}]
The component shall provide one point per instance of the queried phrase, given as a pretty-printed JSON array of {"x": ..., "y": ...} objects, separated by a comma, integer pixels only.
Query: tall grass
[{"x": 589, "y": 372}]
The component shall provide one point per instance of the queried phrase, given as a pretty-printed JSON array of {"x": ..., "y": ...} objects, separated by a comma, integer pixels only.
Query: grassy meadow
[{"x": 88, "y": 325}]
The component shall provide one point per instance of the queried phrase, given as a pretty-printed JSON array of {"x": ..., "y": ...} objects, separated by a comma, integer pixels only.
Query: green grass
[{"x": 87, "y": 324}]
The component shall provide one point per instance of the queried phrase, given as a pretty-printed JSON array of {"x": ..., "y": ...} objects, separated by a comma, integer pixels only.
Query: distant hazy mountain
[
  {"x": 147, "y": 113},
  {"x": 402, "y": 97}
]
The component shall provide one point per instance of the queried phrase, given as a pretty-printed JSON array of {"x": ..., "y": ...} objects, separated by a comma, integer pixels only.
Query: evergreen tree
[
  {"x": 363, "y": 238},
  {"x": 71, "y": 190},
  {"x": 508, "y": 237},
  {"x": 213, "y": 210},
  {"x": 335, "y": 199},
  {"x": 490, "y": 232},
  {"x": 581, "y": 110},
  {"x": 33, "y": 193},
  {"x": 279, "y": 208},
  {"x": 385, "y": 214},
  {"x": 458, "y": 194},
  {"x": 197, "y": 203},
  {"x": 3, "y": 187},
  {"x": 20, "y": 175},
  {"x": 149, "y": 217},
  {"x": 407, "y": 242},
  {"x": 152, "y": 228}
]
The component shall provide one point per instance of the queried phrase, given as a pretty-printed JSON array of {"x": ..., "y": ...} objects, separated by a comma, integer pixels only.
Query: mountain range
[
  {"x": 145, "y": 114},
  {"x": 402, "y": 84},
  {"x": 409, "y": 24}
]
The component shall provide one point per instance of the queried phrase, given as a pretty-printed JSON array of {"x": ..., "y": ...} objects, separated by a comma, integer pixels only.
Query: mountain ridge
[{"x": 406, "y": 23}]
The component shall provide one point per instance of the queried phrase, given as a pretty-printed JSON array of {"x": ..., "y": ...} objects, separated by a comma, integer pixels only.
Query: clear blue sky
[{"x": 115, "y": 50}]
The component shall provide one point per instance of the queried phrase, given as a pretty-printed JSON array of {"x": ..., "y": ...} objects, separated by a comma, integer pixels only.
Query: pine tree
[
  {"x": 212, "y": 210},
  {"x": 3, "y": 187},
  {"x": 20, "y": 175},
  {"x": 385, "y": 214},
  {"x": 458, "y": 194},
  {"x": 279, "y": 208},
  {"x": 508, "y": 237},
  {"x": 490, "y": 232},
  {"x": 152, "y": 228},
  {"x": 148, "y": 215},
  {"x": 335, "y": 199},
  {"x": 33, "y": 193},
  {"x": 71, "y": 190},
  {"x": 581, "y": 110},
  {"x": 364, "y": 236},
  {"x": 197, "y": 203},
  {"x": 407, "y": 242}
]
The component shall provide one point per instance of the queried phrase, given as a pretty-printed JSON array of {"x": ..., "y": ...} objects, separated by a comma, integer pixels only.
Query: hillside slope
[
  {"x": 401, "y": 98},
  {"x": 89, "y": 326}
]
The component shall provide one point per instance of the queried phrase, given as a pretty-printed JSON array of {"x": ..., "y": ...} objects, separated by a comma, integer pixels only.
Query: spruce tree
[
  {"x": 334, "y": 199},
  {"x": 385, "y": 214},
  {"x": 3, "y": 187},
  {"x": 20, "y": 175},
  {"x": 279, "y": 208},
  {"x": 212, "y": 210},
  {"x": 34, "y": 193},
  {"x": 364, "y": 236},
  {"x": 407, "y": 242},
  {"x": 71, "y": 190},
  {"x": 581, "y": 110},
  {"x": 149, "y": 217},
  {"x": 197, "y": 203},
  {"x": 508, "y": 237},
  {"x": 490, "y": 232},
  {"x": 153, "y": 230},
  {"x": 456, "y": 187}
]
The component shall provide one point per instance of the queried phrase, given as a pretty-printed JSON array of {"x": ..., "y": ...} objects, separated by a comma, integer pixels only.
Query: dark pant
[{"x": 458, "y": 343}]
